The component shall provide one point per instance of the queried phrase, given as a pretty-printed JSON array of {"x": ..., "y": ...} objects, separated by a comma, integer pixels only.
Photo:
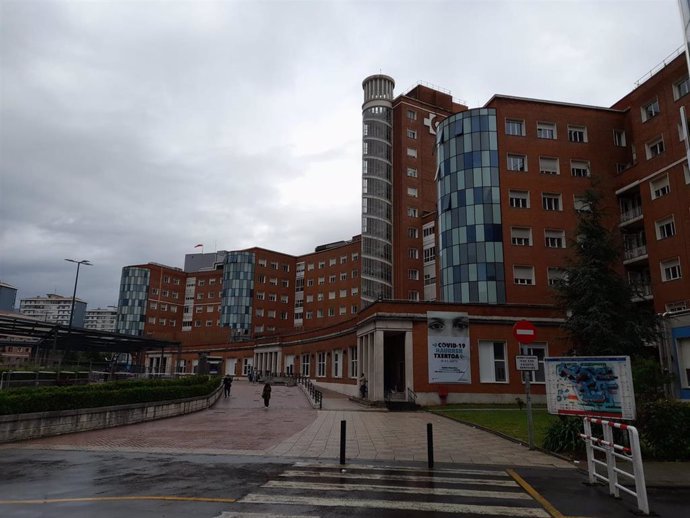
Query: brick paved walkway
[{"x": 241, "y": 425}]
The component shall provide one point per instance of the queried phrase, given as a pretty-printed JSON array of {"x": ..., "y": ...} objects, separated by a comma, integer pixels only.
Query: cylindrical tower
[{"x": 377, "y": 188}]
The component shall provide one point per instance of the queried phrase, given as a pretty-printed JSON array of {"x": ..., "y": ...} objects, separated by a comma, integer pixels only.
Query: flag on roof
[{"x": 197, "y": 246}]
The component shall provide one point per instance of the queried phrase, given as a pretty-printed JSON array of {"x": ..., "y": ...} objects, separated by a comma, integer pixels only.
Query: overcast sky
[{"x": 131, "y": 131}]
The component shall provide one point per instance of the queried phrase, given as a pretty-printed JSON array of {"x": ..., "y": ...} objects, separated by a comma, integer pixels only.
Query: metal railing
[
  {"x": 633, "y": 252},
  {"x": 315, "y": 394},
  {"x": 615, "y": 452}
]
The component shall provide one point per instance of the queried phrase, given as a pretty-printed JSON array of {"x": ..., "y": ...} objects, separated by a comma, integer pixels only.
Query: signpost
[{"x": 525, "y": 333}]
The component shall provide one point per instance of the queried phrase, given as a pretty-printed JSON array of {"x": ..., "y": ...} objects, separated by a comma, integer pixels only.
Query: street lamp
[{"x": 76, "y": 279}]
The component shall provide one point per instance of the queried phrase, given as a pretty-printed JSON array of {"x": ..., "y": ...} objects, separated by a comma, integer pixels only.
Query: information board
[
  {"x": 527, "y": 363},
  {"x": 590, "y": 386}
]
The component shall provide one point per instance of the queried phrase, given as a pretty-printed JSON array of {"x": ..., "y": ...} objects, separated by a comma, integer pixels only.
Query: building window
[
  {"x": 412, "y": 212},
  {"x": 521, "y": 236},
  {"x": 675, "y": 307},
  {"x": 273, "y": 281},
  {"x": 665, "y": 228},
  {"x": 670, "y": 270},
  {"x": 660, "y": 187},
  {"x": 353, "y": 362},
  {"x": 519, "y": 199},
  {"x": 411, "y": 134},
  {"x": 309, "y": 315},
  {"x": 310, "y": 283},
  {"x": 413, "y": 253},
  {"x": 343, "y": 259},
  {"x": 650, "y": 110},
  {"x": 310, "y": 267},
  {"x": 343, "y": 293},
  {"x": 412, "y": 115},
  {"x": 285, "y": 283},
  {"x": 274, "y": 265},
  {"x": 681, "y": 88},
  {"x": 412, "y": 173},
  {"x": 654, "y": 148},
  {"x": 538, "y": 350},
  {"x": 492, "y": 362},
  {"x": 428, "y": 230},
  {"x": 262, "y": 262},
  {"x": 577, "y": 133},
  {"x": 515, "y": 127},
  {"x": 286, "y": 267},
  {"x": 546, "y": 130},
  {"x": 579, "y": 168},
  {"x": 331, "y": 295},
  {"x": 322, "y": 265},
  {"x": 354, "y": 290},
  {"x": 342, "y": 310},
  {"x": 284, "y": 299},
  {"x": 322, "y": 280},
  {"x": 337, "y": 370},
  {"x": 429, "y": 254},
  {"x": 353, "y": 309},
  {"x": 319, "y": 297},
  {"x": 355, "y": 256},
  {"x": 283, "y": 315},
  {"x": 355, "y": 274},
  {"x": 412, "y": 152},
  {"x": 331, "y": 312},
  {"x": 686, "y": 173},
  {"x": 332, "y": 261},
  {"x": 551, "y": 201},
  {"x": 272, "y": 297},
  {"x": 517, "y": 163},
  {"x": 209, "y": 323},
  {"x": 523, "y": 275},
  {"x": 413, "y": 295},
  {"x": 343, "y": 276},
  {"x": 412, "y": 232},
  {"x": 548, "y": 165},
  {"x": 412, "y": 191},
  {"x": 413, "y": 275},
  {"x": 554, "y": 238},
  {"x": 555, "y": 276},
  {"x": 331, "y": 279},
  {"x": 259, "y": 312},
  {"x": 619, "y": 138},
  {"x": 321, "y": 365},
  {"x": 271, "y": 313}
]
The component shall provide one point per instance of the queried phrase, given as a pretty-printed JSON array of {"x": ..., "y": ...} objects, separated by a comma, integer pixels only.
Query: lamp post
[{"x": 76, "y": 279}]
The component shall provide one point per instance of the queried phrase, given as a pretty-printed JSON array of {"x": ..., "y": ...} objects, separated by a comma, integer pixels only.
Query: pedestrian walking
[
  {"x": 227, "y": 385},
  {"x": 266, "y": 394}
]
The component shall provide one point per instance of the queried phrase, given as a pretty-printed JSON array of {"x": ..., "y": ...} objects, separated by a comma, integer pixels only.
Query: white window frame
[
  {"x": 619, "y": 138},
  {"x": 655, "y": 147},
  {"x": 552, "y": 201},
  {"x": 337, "y": 365},
  {"x": 554, "y": 275},
  {"x": 412, "y": 192},
  {"x": 521, "y": 236},
  {"x": 304, "y": 365},
  {"x": 670, "y": 270},
  {"x": 577, "y": 134},
  {"x": 515, "y": 127},
  {"x": 650, "y": 110},
  {"x": 321, "y": 364},
  {"x": 516, "y": 199},
  {"x": 549, "y": 165},
  {"x": 665, "y": 228},
  {"x": 517, "y": 162},
  {"x": 554, "y": 238},
  {"x": 412, "y": 152},
  {"x": 523, "y": 275},
  {"x": 660, "y": 187},
  {"x": 411, "y": 172},
  {"x": 546, "y": 130},
  {"x": 580, "y": 168},
  {"x": 490, "y": 367},
  {"x": 681, "y": 88},
  {"x": 354, "y": 362}
]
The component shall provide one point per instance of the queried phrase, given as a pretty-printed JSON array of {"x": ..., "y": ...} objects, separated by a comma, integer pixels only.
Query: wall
[{"x": 21, "y": 427}]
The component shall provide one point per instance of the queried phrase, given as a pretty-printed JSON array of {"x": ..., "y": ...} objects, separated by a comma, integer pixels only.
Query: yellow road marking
[
  {"x": 117, "y": 498},
  {"x": 555, "y": 513}
]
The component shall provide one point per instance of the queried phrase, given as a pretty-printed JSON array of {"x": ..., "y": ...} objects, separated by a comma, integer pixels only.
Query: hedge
[{"x": 44, "y": 399}]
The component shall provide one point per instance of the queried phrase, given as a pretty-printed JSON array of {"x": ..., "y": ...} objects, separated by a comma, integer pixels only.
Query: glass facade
[
  {"x": 377, "y": 187},
  {"x": 470, "y": 232},
  {"x": 131, "y": 308},
  {"x": 238, "y": 292}
]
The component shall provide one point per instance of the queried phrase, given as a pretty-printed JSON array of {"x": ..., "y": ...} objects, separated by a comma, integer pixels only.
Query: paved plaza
[{"x": 290, "y": 427}]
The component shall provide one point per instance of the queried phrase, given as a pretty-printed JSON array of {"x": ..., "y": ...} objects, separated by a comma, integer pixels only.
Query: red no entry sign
[{"x": 524, "y": 332}]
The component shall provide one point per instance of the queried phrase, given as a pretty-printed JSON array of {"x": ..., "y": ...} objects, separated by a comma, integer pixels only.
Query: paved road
[{"x": 240, "y": 460}]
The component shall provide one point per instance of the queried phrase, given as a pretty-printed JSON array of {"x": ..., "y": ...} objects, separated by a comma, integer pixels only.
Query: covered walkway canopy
[{"x": 60, "y": 337}]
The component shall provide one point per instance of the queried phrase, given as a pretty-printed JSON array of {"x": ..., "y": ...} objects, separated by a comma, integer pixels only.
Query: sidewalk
[{"x": 290, "y": 428}]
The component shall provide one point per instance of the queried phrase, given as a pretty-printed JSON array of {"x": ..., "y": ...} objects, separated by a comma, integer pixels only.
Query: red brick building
[{"x": 470, "y": 211}]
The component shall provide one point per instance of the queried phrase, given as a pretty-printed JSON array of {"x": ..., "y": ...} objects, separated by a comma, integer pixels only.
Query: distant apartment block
[
  {"x": 101, "y": 319},
  {"x": 54, "y": 308}
]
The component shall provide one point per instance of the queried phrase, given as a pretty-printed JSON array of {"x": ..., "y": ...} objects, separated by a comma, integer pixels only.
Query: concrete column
[
  {"x": 376, "y": 380},
  {"x": 409, "y": 364}
]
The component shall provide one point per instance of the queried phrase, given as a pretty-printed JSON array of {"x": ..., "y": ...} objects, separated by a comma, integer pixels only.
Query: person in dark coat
[
  {"x": 266, "y": 394},
  {"x": 227, "y": 384}
]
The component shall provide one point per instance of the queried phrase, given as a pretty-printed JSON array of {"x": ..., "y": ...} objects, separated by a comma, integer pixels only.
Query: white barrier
[{"x": 615, "y": 451}]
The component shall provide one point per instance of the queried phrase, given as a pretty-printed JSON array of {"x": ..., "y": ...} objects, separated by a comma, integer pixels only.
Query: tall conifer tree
[{"x": 602, "y": 317}]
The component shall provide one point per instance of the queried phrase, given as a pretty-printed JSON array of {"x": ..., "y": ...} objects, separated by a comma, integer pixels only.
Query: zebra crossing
[{"x": 310, "y": 489}]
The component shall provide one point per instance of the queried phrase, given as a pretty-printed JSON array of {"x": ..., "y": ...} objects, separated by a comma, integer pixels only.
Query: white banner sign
[{"x": 449, "y": 347}]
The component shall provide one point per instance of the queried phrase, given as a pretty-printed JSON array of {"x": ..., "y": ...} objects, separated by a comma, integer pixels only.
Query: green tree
[{"x": 602, "y": 317}]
